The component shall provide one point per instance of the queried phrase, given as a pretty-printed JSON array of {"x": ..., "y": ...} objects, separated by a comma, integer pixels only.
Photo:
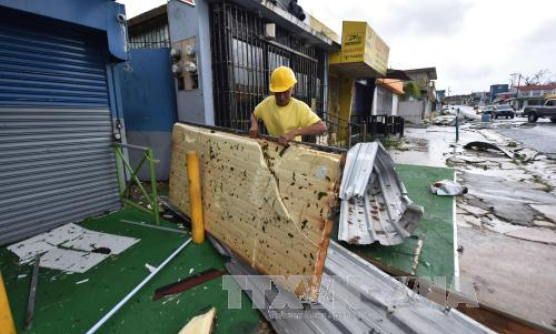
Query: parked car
[
  {"x": 489, "y": 110},
  {"x": 504, "y": 110},
  {"x": 533, "y": 113}
]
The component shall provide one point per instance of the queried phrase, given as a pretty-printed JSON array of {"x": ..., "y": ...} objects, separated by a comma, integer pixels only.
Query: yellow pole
[
  {"x": 6, "y": 321},
  {"x": 196, "y": 212}
]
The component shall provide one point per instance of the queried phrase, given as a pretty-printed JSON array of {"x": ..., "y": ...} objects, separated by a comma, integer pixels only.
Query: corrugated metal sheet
[
  {"x": 355, "y": 298},
  {"x": 375, "y": 205},
  {"x": 56, "y": 161}
]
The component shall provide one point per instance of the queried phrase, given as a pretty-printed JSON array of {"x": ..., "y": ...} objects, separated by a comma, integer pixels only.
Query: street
[
  {"x": 507, "y": 218},
  {"x": 538, "y": 136}
]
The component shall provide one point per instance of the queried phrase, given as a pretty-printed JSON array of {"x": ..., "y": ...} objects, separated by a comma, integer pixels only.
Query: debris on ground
[
  {"x": 519, "y": 155},
  {"x": 201, "y": 324},
  {"x": 448, "y": 188},
  {"x": 375, "y": 205},
  {"x": 71, "y": 248},
  {"x": 187, "y": 283}
]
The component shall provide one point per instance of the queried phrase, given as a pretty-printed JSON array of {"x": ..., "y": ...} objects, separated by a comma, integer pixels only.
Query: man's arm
[
  {"x": 315, "y": 129},
  {"x": 254, "y": 130}
]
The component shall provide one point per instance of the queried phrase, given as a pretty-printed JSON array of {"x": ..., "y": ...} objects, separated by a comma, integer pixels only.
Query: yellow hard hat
[{"x": 282, "y": 79}]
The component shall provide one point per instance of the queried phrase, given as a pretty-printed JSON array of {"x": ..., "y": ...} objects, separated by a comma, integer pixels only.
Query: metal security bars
[
  {"x": 150, "y": 30},
  {"x": 243, "y": 59}
]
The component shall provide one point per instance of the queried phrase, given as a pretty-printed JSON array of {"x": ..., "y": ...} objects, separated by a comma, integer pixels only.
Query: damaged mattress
[{"x": 268, "y": 203}]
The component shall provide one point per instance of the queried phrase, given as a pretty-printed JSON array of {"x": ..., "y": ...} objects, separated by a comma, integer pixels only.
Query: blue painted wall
[
  {"x": 149, "y": 104},
  {"x": 147, "y": 89},
  {"x": 497, "y": 89}
]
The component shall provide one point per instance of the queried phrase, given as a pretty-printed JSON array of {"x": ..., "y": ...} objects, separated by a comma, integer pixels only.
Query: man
[{"x": 284, "y": 116}]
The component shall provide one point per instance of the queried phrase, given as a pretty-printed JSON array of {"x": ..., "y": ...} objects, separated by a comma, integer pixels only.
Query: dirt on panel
[{"x": 268, "y": 203}]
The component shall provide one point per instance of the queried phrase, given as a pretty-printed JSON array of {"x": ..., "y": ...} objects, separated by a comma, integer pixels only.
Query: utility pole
[{"x": 517, "y": 91}]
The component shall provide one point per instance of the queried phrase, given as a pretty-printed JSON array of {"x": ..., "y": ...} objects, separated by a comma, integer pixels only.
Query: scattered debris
[
  {"x": 68, "y": 260},
  {"x": 522, "y": 155},
  {"x": 375, "y": 205},
  {"x": 130, "y": 295},
  {"x": 188, "y": 283},
  {"x": 201, "y": 324},
  {"x": 71, "y": 248},
  {"x": 484, "y": 146},
  {"x": 150, "y": 268},
  {"x": 32, "y": 293},
  {"x": 355, "y": 297},
  {"x": 448, "y": 188}
]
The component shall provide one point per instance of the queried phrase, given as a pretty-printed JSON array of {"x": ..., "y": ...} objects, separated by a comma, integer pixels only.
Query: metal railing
[{"x": 125, "y": 192}]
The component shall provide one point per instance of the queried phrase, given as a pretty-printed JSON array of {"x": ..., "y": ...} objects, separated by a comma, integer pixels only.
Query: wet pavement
[
  {"x": 511, "y": 203},
  {"x": 539, "y": 136}
]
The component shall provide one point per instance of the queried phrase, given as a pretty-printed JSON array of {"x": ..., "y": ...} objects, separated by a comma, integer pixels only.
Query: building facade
[{"x": 497, "y": 89}]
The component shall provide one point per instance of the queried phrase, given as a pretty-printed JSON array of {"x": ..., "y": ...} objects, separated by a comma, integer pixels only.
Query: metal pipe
[
  {"x": 132, "y": 147},
  {"x": 162, "y": 228},
  {"x": 154, "y": 196},
  {"x": 32, "y": 293},
  {"x": 118, "y": 306}
]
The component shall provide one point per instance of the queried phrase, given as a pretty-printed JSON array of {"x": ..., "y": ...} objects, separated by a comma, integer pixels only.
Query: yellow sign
[{"x": 361, "y": 44}]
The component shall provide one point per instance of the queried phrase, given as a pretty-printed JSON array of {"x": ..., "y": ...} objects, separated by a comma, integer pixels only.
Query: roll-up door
[{"x": 56, "y": 162}]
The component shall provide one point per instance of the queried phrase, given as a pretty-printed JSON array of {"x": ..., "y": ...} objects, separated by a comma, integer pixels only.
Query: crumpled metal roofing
[
  {"x": 375, "y": 205},
  {"x": 355, "y": 297}
]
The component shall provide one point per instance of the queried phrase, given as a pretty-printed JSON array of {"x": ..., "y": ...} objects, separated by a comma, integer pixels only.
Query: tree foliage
[
  {"x": 411, "y": 90},
  {"x": 541, "y": 77}
]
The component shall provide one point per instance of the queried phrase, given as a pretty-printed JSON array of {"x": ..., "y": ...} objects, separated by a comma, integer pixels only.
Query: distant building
[
  {"x": 440, "y": 95},
  {"x": 532, "y": 95},
  {"x": 415, "y": 111},
  {"x": 479, "y": 99},
  {"x": 498, "y": 89}
]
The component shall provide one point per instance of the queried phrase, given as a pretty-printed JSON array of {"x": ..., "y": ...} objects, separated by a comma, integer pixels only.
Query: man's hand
[
  {"x": 287, "y": 137},
  {"x": 254, "y": 131}
]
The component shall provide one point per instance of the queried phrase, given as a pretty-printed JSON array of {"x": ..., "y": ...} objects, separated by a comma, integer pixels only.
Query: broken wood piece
[
  {"x": 187, "y": 283},
  {"x": 201, "y": 324},
  {"x": 270, "y": 206}
]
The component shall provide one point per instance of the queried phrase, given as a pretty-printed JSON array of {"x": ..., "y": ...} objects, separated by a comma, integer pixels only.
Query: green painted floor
[
  {"x": 64, "y": 307},
  {"x": 436, "y": 229}
]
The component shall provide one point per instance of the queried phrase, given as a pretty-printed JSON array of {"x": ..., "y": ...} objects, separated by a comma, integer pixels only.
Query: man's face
[{"x": 283, "y": 98}]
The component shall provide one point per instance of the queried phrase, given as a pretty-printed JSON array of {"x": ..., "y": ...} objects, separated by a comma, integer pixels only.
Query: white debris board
[{"x": 70, "y": 248}]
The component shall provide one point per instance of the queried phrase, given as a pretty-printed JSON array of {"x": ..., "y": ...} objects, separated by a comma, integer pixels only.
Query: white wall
[
  {"x": 395, "y": 101},
  {"x": 411, "y": 111}
]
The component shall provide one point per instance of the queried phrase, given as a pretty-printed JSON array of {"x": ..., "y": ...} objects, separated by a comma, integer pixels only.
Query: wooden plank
[{"x": 268, "y": 204}]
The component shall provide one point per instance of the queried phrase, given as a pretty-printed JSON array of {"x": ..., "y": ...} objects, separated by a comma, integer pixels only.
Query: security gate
[
  {"x": 243, "y": 58},
  {"x": 56, "y": 162}
]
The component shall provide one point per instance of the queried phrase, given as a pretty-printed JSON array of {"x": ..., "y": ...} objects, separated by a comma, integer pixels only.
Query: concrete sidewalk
[{"x": 507, "y": 221}]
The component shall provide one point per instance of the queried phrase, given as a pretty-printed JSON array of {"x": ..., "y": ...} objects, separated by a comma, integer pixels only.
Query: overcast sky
[{"x": 472, "y": 43}]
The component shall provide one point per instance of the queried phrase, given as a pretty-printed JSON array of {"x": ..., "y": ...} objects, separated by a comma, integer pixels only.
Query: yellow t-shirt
[{"x": 278, "y": 120}]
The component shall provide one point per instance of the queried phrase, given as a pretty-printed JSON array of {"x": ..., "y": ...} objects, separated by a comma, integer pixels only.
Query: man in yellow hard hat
[{"x": 284, "y": 116}]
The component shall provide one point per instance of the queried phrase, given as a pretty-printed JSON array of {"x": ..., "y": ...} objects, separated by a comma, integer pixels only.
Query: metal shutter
[
  {"x": 56, "y": 163},
  {"x": 384, "y": 101}
]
